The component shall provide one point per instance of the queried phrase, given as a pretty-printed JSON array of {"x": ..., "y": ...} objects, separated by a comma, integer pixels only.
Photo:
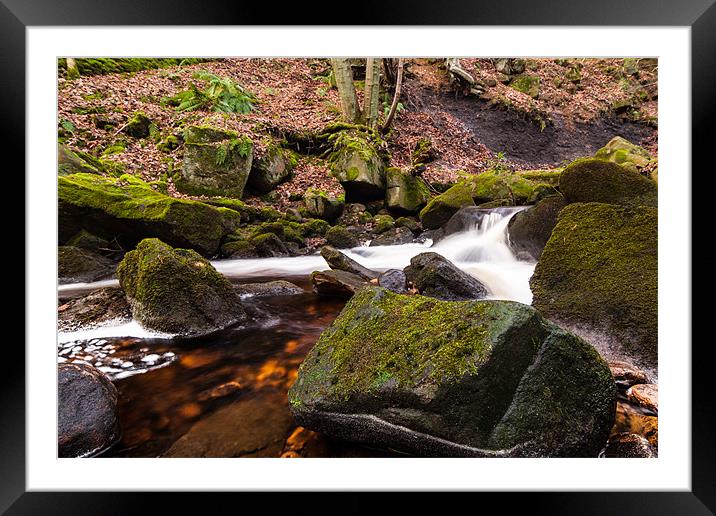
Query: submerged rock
[
  {"x": 626, "y": 374},
  {"x": 338, "y": 261},
  {"x": 600, "y": 268},
  {"x": 479, "y": 378},
  {"x": 340, "y": 284},
  {"x": 86, "y": 411},
  {"x": 435, "y": 276},
  {"x": 596, "y": 180},
  {"x": 395, "y": 236},
  {"x": 629, "y": 446},
  {"x": 128, "y": 209},
  {"x": 77, "y": 265},
  {"x": 176, "y": 290},
  {"x": 530, "y": 229},
  {"x": 645, "y": 395},
  {"x": 216, "y": 162},
  {"x": 270, "y": 288},
  {"x": 95, "y": 308}
]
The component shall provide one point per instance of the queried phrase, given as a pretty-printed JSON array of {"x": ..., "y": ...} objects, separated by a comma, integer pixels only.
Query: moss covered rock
[
  {"x": 73, "y": 161},
  {"x": 216, "y": 162},
  {"x": 342, "y": 238},
  {"x": 338, "y": 261},
  {"x": 622, "y": 151},
  {"x": 437, "y": 378},
  {"x": 395, "y": 236},
  {"x": 269, "y": 245},
  {"x": 359, "y": 166},
  {"x": 527, "y": 84},
  {"x": 546, "y": 176},
  {"x": 323, "y": 206},
  {"x": 529, "y": 230},
  {"x": 138, "y": 126},
  {"x": 599, "y": 268},
  {"x": 176, "y": 290},
  {"x": 270, "y": 169},
  {"x": 239, "y": 249},
  {"x": 405, "y": 193},
  {"x": 439, "y": 210},
  {"x": 128, "y": 209},
  {"x": 77, "y": 265},
  {"x": 596, "y": 180},
  {"x": 382, "y": 223}
]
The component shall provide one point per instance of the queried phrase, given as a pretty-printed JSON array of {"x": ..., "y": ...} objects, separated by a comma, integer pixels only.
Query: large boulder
[
  {"x": 435, "y": 378},
  {"x": 270, "y": 169},
  {"x": 338, "y": 261},
  {"x": 529, "y": 230},
  {"x": 405, "y": 193},
  {"x": 596, "y": 180},
  {"x": 322, "y": 206},
  {"x": 87, "y": 420},
  {"x": 128, "y": 209},
  {"x": 357, "y": 164},
  {"x": 599, "y": 268},
  {"x": 435, "y": 276},
  {"x": 216, "y": 162},
  {"x": 176, "y": 290},
  {"x": 622, "y": 151},
  {"x": 77, "y": 265}
]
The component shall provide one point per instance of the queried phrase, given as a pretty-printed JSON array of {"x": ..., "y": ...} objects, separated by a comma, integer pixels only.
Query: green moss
[
  {"x": 73, "y": 161},
  {"x": 550, "y": 176},
  {"x": 117, "y": 147},
  {"x": 104, "y": 66},
  {"x": 600, "y": 267},
  {"x": 596, "y": 180},
  {"x": 382, "y": 223},
  {"x": 168, "y": 144},
  {"x": 405, "y": 192},
  {"x": 625, "y": 153},
  {"x": 138, "y": 126},
  {"x": 423, "y": 152},
  {"x": 368, "y": 347},
  {"x": 527, "y": 84},
  {"x": 439, "y": 210}
]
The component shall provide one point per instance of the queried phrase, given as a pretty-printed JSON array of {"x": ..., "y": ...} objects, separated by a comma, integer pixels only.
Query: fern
[
  {"x": 221, "y": 94},
  {"x": 242, "y": 146}
]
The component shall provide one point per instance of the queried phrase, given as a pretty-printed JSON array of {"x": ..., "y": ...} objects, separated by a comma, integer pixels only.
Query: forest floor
[{"x": 469, "y": 132}]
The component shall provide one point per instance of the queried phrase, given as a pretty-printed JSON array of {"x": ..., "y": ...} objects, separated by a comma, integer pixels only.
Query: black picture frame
[{"x": 699, "y": 15}]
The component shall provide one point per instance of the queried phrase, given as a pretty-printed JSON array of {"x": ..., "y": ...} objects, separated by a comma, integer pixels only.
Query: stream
[{"x": 224, "y": 395}]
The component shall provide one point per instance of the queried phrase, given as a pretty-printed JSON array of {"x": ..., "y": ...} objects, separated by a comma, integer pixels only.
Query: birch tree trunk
[
  {"x": 72, "y": 71},
  {"x": 346, "y": 90},
  {"x": 372, "y": 92}
]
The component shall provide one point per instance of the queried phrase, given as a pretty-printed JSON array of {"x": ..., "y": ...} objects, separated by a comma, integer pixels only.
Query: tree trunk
[
  {"x": 372, "y": 92},
  {"x": 390, "y": 70},
  {"x": 72, "y": 71},
  {"x": 396, "y": 97},
  {"x": 346, "y": 90}
]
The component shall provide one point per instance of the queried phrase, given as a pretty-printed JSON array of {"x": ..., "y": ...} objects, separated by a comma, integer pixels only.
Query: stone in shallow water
[
  {"x": 270, "y": 288},
  {"x": 395, "y": 236},
  {"x": 394, "y": 280},
  {"x": 645, "y": 395},
  {"x": 97, "y": 307},
  {"x": 340, "y": 284},
  {"x": 87, "y": 411},
  {"x": 434, "y": 378},
  {"x": 340, "y": 262},
  {"x": 629, "y": 446},
  {"x": 435, "y": 276},
  {"x": 626, "y": 374}
]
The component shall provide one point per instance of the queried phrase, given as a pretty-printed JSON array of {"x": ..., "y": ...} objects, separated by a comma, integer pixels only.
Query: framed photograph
[{"x": 434, "y": 254}]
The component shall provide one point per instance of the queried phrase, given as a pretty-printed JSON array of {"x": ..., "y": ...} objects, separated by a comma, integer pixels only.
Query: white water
[{"x": 482, "y": 251}]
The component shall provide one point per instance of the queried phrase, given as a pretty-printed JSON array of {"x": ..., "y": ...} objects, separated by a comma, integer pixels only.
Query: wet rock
[
  {"x": 322, "y": 206},
  {"x": 395, "y": 236},
  {"x": 95, "y": 308},
  {"x": 342, "y": 237},
  {"x": 435, "y": 235},
  {"x": 596, "y": 180},
  {"x": 255, "y": 427},
  {"x": 410, "y": 223},
  {"x": 220, "y": 391},
  {"x": 405, "y": 192},
  {"x": 86, "y": 411},
  {"x": 530, "y": 229},
  {"x": 626, "y": 374},
  {"x": 434, "y": 378},
  {"x": 610, "y": 252},
  {"x": 645, "y": 395},
  {"x": 340, "y": 262},
  {"x": 77, "y": 265},
  {"x": 629, "y": 446},
  {"x": 393, "y": 280},
  {"x": 268, "y": 245},
  {"x": 270, "y": 169},
  {"x": 465, "y": 219},
  {"x": 435, "y": 276},
  {"x": 239, "y": 249},
  {"x": 216, "y": 162},
  {"x": 176, "y": 290},
  {"x": 439, "y": 210},
  {"x": 339, "y": 284},
  {"x": 87, "y": 240},
  {"x": 270, "y": 288}
]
